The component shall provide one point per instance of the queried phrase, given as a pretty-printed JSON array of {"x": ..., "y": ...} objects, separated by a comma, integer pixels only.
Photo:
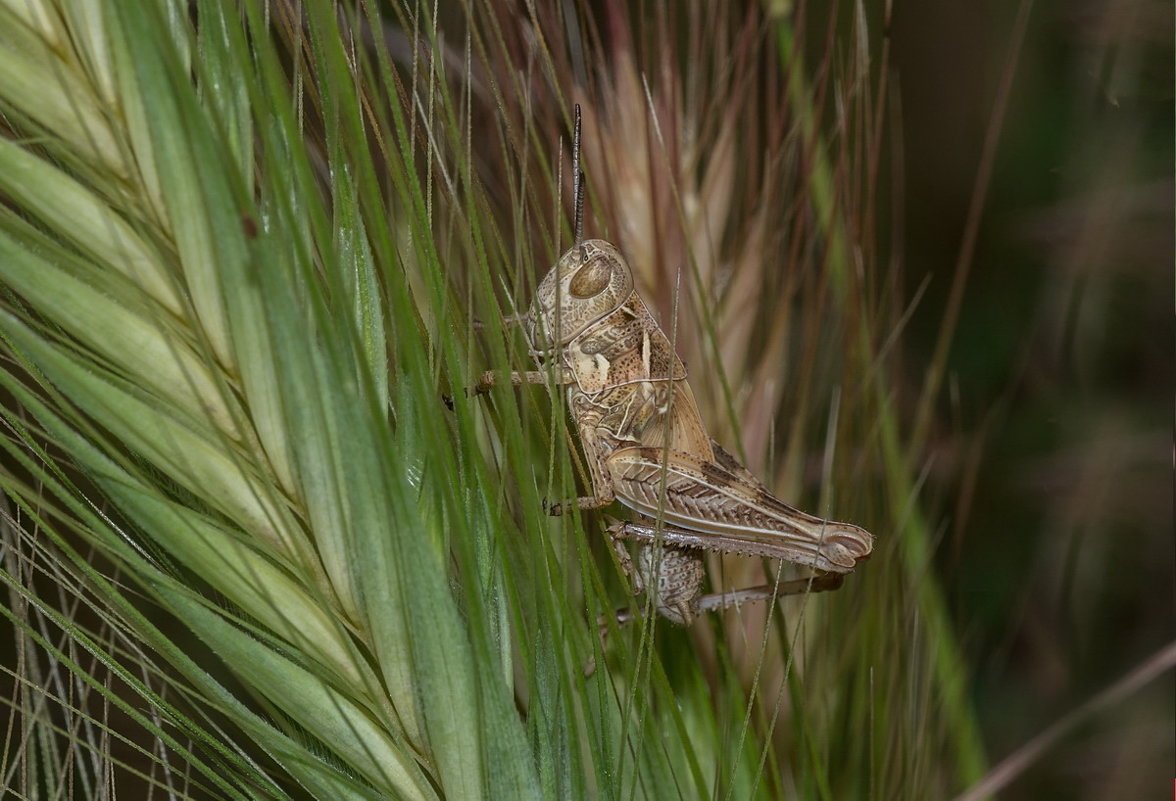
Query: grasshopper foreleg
[
  {"x": 582, "y": 502},
  {"x": 490, "y": 378}
]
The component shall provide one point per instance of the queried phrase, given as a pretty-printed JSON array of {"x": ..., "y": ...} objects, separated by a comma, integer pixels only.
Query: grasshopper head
[{"x": 590, "y": 281}]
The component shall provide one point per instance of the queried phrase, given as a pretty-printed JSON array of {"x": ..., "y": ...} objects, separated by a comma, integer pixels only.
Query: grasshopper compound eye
[{"x": 592, "y": 279}]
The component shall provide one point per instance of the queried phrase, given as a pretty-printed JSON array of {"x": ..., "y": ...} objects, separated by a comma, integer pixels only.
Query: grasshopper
[{"x": 646, "y": 446}]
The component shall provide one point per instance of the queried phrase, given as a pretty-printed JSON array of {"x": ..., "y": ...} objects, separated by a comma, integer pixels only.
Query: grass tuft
[{"x": 246, "y": 248}]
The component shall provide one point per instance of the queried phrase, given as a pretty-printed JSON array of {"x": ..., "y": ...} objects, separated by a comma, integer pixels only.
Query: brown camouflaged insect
[{"x": 646, "y": 446}]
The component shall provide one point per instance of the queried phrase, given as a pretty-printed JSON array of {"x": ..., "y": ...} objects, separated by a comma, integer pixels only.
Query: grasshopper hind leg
[
  {"x": 677, "y": 574},
  {"x": 821, "y": 582}
]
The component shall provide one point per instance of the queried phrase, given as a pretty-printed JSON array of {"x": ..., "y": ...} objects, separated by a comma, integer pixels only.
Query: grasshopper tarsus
[
  {"x": 484, "y": 384},
  {"x": 480, "y": 388}
]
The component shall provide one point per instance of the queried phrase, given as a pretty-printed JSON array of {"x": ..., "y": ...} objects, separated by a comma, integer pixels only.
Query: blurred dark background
[{"x": 1055, "y": 481}]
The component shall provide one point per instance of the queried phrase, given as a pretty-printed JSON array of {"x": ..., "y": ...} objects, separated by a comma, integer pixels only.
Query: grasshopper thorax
[{"x": 590, "y": 281}]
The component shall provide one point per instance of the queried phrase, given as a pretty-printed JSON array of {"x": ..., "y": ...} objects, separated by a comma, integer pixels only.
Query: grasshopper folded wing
[{"x": 730, "y": 510}]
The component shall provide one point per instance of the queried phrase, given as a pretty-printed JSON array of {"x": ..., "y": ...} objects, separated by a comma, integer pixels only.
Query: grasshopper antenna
[{"x": 577, "y": 182}]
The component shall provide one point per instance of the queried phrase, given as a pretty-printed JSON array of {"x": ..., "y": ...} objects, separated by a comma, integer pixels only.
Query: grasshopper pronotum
[{"x": 646, "y": 446}]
